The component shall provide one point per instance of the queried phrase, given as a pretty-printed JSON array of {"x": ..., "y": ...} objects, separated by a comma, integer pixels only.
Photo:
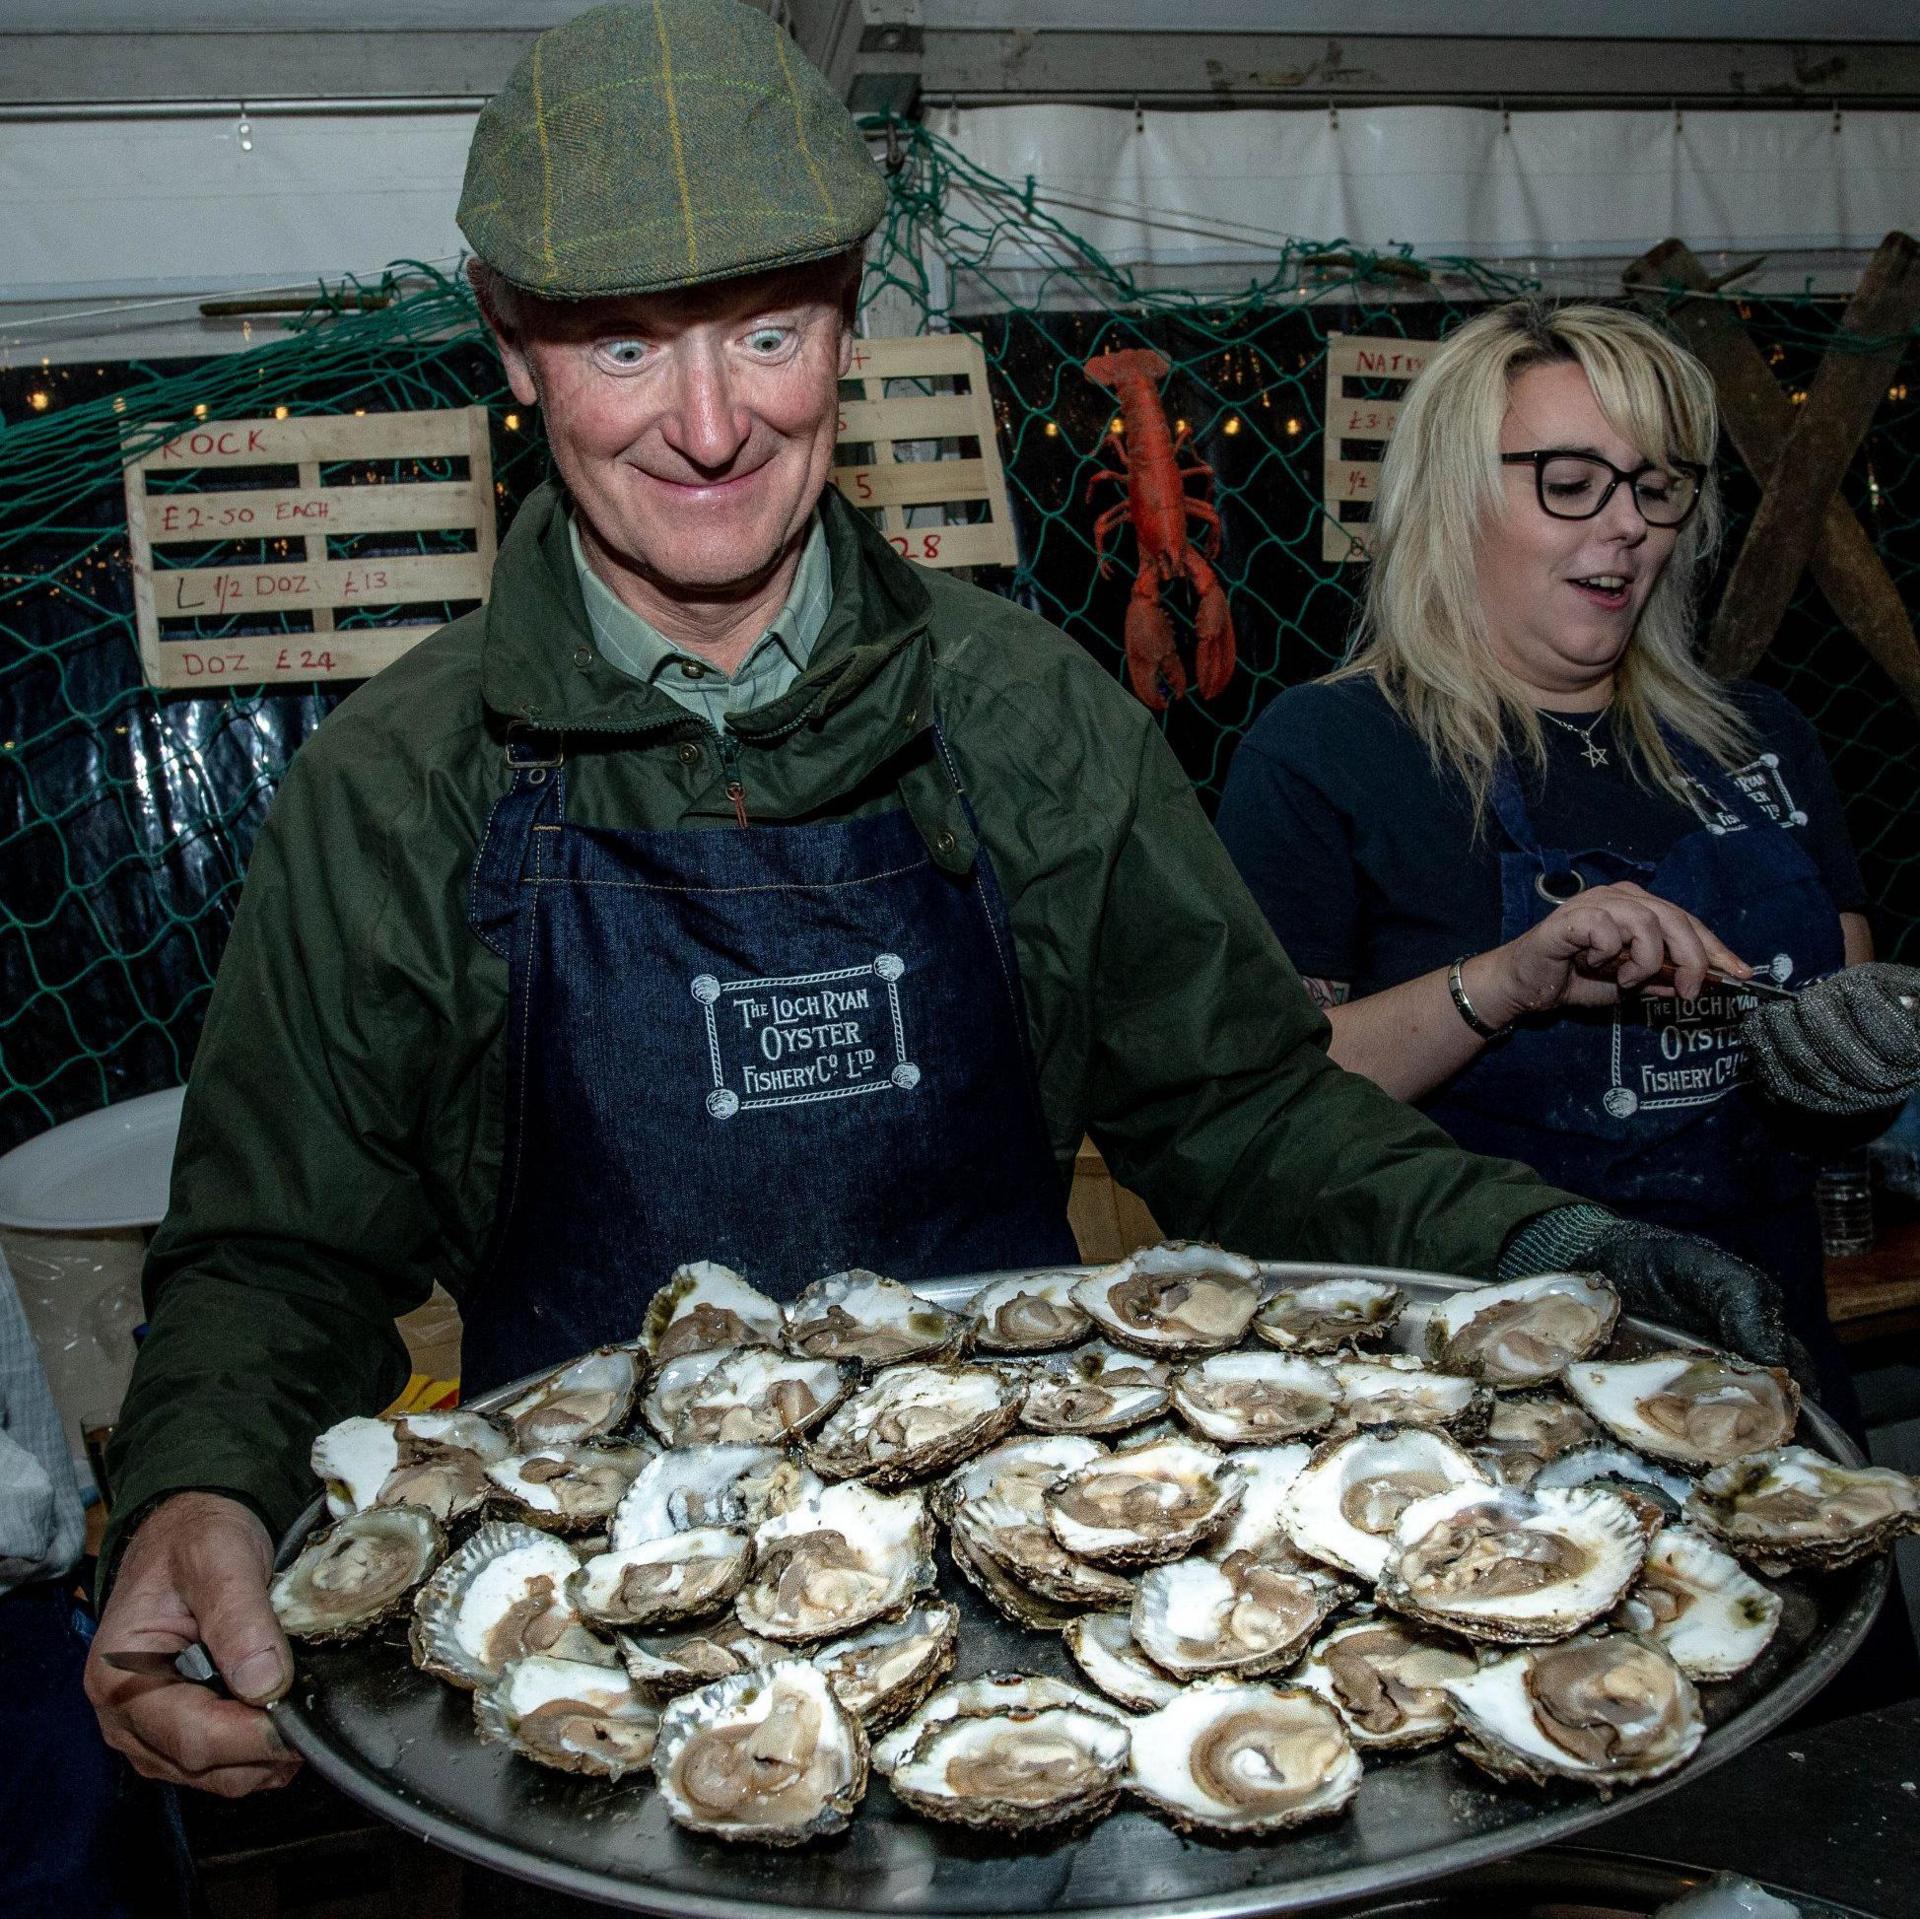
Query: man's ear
[{"x": 506, "y": 336}]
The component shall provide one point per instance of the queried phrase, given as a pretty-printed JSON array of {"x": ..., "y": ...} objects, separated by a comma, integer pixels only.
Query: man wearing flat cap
[{"x": 727, "y": 888}]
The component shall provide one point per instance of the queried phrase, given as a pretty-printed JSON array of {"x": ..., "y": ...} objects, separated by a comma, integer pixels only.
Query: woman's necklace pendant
[{"x": 1596, "y": 755}]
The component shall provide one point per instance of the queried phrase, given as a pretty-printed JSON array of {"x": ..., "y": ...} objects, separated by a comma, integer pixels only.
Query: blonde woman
[{"x": 1524, "y": 849}]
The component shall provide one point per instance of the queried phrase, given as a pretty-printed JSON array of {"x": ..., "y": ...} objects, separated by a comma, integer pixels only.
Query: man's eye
[
  {"x": 767, "y": 339},
  {"x": 623, "y": 352}
]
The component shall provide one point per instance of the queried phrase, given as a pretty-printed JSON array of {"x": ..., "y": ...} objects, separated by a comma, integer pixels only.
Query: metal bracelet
[{"x": 1464, "y": 1006}]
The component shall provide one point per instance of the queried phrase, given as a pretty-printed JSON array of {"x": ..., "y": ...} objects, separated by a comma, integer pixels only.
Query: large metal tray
[{"x": 403, "y": 1745}]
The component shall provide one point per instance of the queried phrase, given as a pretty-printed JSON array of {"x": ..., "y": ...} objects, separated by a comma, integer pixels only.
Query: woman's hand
[{"x": 1586, "y": 951}]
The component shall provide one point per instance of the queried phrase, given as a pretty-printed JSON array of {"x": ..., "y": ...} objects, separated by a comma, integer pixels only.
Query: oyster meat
[
  {"x": 581, "y": 1400},
  {"x": 1796, "y": 1507},
  {"x": 1525, "y": 1430},
  {"x": 568, "y": 1489},
  {"x": 1524, "y": 1332},
  {"x": 704, "y": 1307},
  {"x": 1387, "y": 1679},
  {"x": 875, "y": 1321},
  {"x": 882, "y": 1673},
  {"x": 1094, "y": 1389},
  {"x": 568, "y": 1715},
  {"x": 1397, "y": 1389},
  {"x": 434, "y": 1461},
  {"x": 1173, "y": 1299},
  {"x": 1018, "y": 1469},
  {"x": 1237, "y": 1758},
  {"x": 1029, "y": 1313},
  {"x": 1327, "y": 1314},
  {"x": 501, "y": 1596},
  {"x": 357, "y": 1573},
  {"x": 694, "y": 1486},
  {"x": 1609, "y": 1710},
  {"x": 1255, "y": 1398},
  {"x": 752, "y": 1396},
  {"x": 1103, "y": 1647},
  {"x": 1692, "y": 1599},
  {"x": 769, "y": 1756},
  {"x": 1015, "y": 1772},
  {"x": 993, "y": 1693},
  {"x": 1237, "y": 1615},
  {"x": 1347, "y": 1500},
  {"x": 1503, "y": 1563},
  {"x": 663, "y": 1582},
  {"x": 845, "y": 1557},
  {"x": 664, "y": 1665},
  {"x": 1146, "y": 1505},
  {"x": 911, "y": 1421},
  {"x": 1696, "y": 1409}
]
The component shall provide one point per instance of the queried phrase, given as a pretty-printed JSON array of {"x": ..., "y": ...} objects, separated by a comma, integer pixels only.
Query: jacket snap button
[
  {"x": 583, "y": 656},
  {"x": 945, "y": 842},
  {"x": 689, "y": 753}
]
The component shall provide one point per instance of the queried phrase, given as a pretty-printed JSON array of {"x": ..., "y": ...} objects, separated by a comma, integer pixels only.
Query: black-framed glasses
[{"x": 1577, "y": 486}]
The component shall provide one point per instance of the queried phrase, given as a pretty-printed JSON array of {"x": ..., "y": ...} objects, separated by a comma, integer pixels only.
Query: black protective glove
[{"x": 1849, "y": 1045}]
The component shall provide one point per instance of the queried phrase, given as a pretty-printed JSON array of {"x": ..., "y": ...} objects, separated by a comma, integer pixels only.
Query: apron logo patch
[
  {"x": 1686, "y": 1052},
  {"x": 813, "y": 1036}
]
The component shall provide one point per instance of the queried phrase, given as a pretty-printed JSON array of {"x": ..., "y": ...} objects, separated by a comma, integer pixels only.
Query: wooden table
[{"x": 1876, "y": 1295}]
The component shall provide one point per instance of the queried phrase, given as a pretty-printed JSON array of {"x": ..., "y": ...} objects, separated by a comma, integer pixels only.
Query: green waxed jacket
[{"x": 342, "y": 1135}]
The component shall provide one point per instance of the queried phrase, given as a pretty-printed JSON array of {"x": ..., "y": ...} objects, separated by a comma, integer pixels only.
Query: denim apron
[
  {"x": 1643, "y": 1106},
  {"x": 792, "y": 1049}
]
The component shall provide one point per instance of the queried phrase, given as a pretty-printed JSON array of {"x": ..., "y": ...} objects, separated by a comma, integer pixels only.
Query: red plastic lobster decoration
[{"x": 1155, "y": 498}]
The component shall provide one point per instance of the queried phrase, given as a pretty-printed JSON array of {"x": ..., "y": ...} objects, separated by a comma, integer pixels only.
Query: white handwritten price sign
[
  {"x": 1352, "y": 473},
  {"x": 199, "y": 618},
  {"x": 956, "y": 486}
]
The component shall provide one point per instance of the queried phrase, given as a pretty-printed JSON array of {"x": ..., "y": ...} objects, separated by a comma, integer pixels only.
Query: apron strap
[{"x": 535, "y": 800}]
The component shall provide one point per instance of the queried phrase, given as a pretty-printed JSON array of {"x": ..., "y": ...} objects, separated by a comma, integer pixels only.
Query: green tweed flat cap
[{"x": 643, "y": 147}]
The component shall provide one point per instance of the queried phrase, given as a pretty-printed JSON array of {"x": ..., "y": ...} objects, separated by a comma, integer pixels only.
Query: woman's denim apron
[
  {"x": 792, "y": 1049},
  {"x": 1643, "y": 1107}
]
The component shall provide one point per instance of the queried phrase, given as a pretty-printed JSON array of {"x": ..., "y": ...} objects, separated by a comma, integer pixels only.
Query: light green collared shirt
[{"x": 640, "y": 650}]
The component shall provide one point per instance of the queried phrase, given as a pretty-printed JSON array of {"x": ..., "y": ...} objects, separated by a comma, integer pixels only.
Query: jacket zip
[{"x": 730, "y": 760}]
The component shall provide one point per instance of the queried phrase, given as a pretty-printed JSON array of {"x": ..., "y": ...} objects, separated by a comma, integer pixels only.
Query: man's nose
[{"x": 705, "y": 423}]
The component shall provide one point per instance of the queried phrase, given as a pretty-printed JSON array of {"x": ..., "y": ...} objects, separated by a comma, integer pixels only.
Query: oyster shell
[
  {"x": 357, "y": 1573},
  {"x": 768, "y": 1756},
  {"x": 1796, "y": 1507},
  {"x": 1029, "y": 1313},
  {"x": 1145, "y": 1506},
  {"x": 1397, "y": 1389},
  {"x": 1502, "y": 1563},
  {"x": 1016, "y": 1771},
  {"x": 1621, "y": 1468},
  {"x": 1325, "y": 1315},
  {"x": 434, "y": 1461},
  {"x": 881, "y": 1674},
  {"x": 664, "y": 1665},
  {"x": 1009, "y": 1533},
  {"x": 581, "y": 1400},
  {"x": 1254, "y": 1398},
  {"x": 1094, "y": 1389},
  {"x": 911, "y": 1421},
  {"x": 1523, "y": 1332},
  {"x": 1024, "y": 1605},
  {"x": 1693, "y": 1600},
  {"x": 568, "y": 1715},
  {"x": 663, "y": 1582},
  {"x": 752, "y": 1396},
  {"x": 1525, "y": 1430},
  {"x": 845, "y": 1557},
  {"x": 1017, "y": 1469},
  {"x": 1347, "y": 1500},
  {"x": 1608, "y": 1710},
  {"x": 704, "y": 1307},
  {"x": 992, "y": 1693},
  {"x": 875, "y": 1321},
  {"x": 1386, "y": 1678},
  {"x": 501, "y": 1596},
  {"x": 1697, "y": 1409},
  {"x": 1103, "y": 1647},
  {"x": 1237, "y": 1758},
  {"x": 1240, "y": 1616},
  {"x": 568, "y": 1489},
  {"x": 694, "y": 1486},
  {"x": 1173, "y": 1299}
]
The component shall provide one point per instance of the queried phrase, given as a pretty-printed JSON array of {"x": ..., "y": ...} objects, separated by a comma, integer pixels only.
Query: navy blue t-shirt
[{"x": 1365, "y": 861}]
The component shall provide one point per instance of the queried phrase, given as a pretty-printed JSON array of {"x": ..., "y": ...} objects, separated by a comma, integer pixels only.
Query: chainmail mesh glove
[
  {"x": 1849, "y": 1045},
  {"x": 1673, "y": 1278}
]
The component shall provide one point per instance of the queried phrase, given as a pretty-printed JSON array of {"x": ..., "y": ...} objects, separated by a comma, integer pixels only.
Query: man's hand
[
  {"x": 196, "y": 1569},
  {"x": 1691, "y": 1285},
  {"x": 1849, "y": 1045}
]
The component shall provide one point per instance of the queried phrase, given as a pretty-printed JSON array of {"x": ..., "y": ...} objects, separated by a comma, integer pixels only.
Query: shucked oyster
[
  {"x": 1526, "y": 1430},
  {"x": 1237, "y": 1616},
  {"x": 434, "y": 1461},
  {"x": 583, "y": 1399},
  {"x": 843, "y": 1558},
  {"x": 911, "y": 1421},
  {"x": 1525, "y": 1332},
  {"x": 1094, "y": 1389},
  {"x": 882, "y": 1672},
  {"x": 1398, "y": 1390},
  {"x": 1609, "y": 1710},
  {"x": 357, "y": 1573},
  {"x": 694, "y": 1486},
  {"x": 1173, "y": 1299},
  {"x": 1017, "y": 1469},
  {"x": 1146, "y": 1505},
  {"x": 1029, "y": 1313},
  {"x": 704, "y": 1307},
  {"x": 663, "y": 1581},
  {"x": 1258, "y": 1529},
  {"x": 862, "y": 1316},
  {"x": 1620, "y": 1467},
  {"x": 1500, "y": 1563},
  {"x": 1697, "y": 1409},
  {"x": 1103, "y": 1647},
  {"x": 664, "y": 1665},
  {"x": 769, "y": 1756},
  {"x": 1254, "y": 1398},
  {"x": 1692, "y": 1600},
  {"x": 1796, "y": 1507},
  {"x": 999, "y": 1693},
  {"x": 1386, "y": 1678},
  {"x": 1008, "y": 1534},
  {"x": 1015, "y": 1771},
  {"x": 753, "y": 1396},
  {"x": 568, "y": 1489},
  {"x": 1345, "y": 1503},
  {"x": 1326, "y": 1314},
  {"x": 1235, "y": 1758},
  {"x": 568, "y": 1715}
]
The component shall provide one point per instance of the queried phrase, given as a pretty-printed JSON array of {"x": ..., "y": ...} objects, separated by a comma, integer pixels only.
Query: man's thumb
[{"x": 239, "y": 1628}]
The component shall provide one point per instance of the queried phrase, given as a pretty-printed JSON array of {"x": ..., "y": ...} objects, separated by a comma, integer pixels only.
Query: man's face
[{"x": 694, "y": 429}]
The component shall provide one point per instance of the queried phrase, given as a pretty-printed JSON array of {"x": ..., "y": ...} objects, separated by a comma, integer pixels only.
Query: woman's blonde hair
[{"x": 1422, "y": 635}]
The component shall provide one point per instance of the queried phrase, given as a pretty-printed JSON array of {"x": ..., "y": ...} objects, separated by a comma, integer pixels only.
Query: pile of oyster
[{"x": 1277, "y": 1528}]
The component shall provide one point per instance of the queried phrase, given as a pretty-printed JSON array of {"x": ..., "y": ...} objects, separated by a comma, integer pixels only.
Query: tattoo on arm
[{"x": 1328, "y": 992}]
